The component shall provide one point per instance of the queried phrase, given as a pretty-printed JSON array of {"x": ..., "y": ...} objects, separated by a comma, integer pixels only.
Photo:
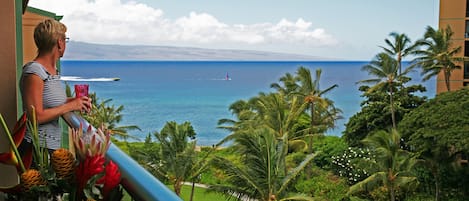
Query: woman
[{"x": 41, "y": 87}]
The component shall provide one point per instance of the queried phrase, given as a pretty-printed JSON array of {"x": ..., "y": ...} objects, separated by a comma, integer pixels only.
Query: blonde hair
[{"x": 47, "y": 33}]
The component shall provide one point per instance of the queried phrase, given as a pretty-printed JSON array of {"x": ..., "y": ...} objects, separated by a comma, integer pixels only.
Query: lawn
[{"x": 199, "y": 195}]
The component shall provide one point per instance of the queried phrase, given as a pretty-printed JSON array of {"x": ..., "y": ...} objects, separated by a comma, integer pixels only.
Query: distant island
[{"x": 88, "y": 51}]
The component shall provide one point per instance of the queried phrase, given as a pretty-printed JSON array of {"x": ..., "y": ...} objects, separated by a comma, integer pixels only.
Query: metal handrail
[{"x": 136, "y": 180}]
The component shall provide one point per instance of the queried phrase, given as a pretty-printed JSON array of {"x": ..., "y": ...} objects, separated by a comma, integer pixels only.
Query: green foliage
[
  {"x": 400, "y": 47},
  {"x": 177, "y": 154},
  {"x": 385, "y": 69},
  {"x": 438, "y": 54},
  {"x": 375, "y": 115},
  {"x": 297, "y": 146},
  {"x": 122, "y": 145},
  {"x": 213, "y": 175},
  {"x": 347, "y": 164},
  {"x": 322, "y": 112},
  {"x": 146, "y": 154},
  {"x": 200, "y": 194},
  {"x": 104, "y": 114},
  {"x": 439, "y": 126},
  {"x": 392, "y": 167},
  {"x": 262, "y": 172},
  {"x": 327, "y": 147},
  {"x": 323, "y": 185},
  {"x": 419, "y": 197},
  {"x": 439, "y": 131},
  {"x": 294, "y": 159}
]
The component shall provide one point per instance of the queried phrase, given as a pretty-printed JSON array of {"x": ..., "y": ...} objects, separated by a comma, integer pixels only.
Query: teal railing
[{"x": 137, "y": 181}]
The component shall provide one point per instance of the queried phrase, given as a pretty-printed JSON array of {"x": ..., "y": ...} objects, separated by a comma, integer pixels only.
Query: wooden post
[{"x": 8, "y": 79}]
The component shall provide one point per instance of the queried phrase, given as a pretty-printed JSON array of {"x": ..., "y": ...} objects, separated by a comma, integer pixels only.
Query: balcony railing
[{"x": 137, "y": 181}]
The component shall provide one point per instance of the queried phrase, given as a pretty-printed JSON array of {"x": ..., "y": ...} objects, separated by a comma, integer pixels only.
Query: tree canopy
[
  {"x": 375, "y": 114},
  {"x": 441, "y": 124}
]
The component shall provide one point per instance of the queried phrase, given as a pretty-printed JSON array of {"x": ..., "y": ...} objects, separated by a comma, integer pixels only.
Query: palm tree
[
  {"x": 277, "y": 114},
  {"x": 242, "y": 110},
  {"x": 309, "y": 90},
  {"x": 108, "y": 116},
  {"x": 289, "y": 84},
  {"x": 321, "y": 110},
  {"x": 400, "y": 47},
  {"x": 384, "y": 68},
  {"x": 270, "y": 111},
  {"x": 280, "y": 117},
  {"x": 177, "y": 153},
  {"x": 439, "y": 54},
  {"x": 261, "y": 172},
  {"x": 393, "y": 165}
]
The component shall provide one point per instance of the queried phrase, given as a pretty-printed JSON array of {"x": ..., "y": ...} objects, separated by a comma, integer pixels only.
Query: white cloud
[{"x": 116, "y": 22}]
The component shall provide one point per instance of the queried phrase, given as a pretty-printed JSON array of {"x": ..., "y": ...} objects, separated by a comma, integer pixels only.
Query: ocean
[{"x": 155, "y": 92}]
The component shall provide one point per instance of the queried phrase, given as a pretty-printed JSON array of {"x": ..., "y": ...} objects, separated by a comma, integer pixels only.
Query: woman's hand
[{"x": 81, "y": 104}]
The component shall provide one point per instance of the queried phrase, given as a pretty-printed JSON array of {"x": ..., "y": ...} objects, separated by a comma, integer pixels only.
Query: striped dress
[{"x": 53, "y": 95}]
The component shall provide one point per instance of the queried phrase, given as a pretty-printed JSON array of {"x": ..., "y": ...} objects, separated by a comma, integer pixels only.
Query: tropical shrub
[
  {"x": 347, "y": 164},
  {"x": 327, "y": 147},
  {"x": 323, "y": 185}
]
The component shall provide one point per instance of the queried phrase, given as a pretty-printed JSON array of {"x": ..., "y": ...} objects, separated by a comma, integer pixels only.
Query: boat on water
[{"x": 80, "y": 79}]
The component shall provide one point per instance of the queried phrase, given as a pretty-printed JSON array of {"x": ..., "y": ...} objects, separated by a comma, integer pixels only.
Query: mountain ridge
[{"x": 90, "y": 51}]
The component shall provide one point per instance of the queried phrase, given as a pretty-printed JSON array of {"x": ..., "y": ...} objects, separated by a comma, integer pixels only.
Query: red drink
[{"x": 81, "y": 90}]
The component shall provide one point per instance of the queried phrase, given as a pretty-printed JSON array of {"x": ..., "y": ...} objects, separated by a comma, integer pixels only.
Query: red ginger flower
[
  {"x": 111, "y": 179},
  {"x": 88, "y": 168}
]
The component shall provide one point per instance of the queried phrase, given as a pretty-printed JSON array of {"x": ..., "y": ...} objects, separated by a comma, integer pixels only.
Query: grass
[{"x": 200, "y": 194}]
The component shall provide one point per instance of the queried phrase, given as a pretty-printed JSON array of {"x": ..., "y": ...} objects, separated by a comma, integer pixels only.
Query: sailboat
[{"x": 227, "y": 77}]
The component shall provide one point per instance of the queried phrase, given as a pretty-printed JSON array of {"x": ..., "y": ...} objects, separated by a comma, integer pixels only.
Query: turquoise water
[{"x": 154, "y": 92}]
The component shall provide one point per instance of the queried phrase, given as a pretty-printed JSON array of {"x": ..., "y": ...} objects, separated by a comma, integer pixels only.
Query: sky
[{"x": 335, "y": 29}]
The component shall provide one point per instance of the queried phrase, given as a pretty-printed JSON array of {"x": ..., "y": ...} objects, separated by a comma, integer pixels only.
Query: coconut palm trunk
[
  {"x": 447, "y": 75},
  {"x": 310, "y": 141},
  {"x": 192, "y": 191},
  {"x": 437, "y": 181},
  {"x": 391, "y": 101},
  {"x": 393, "y": 194},
  {"x": 177, "y": 187}
]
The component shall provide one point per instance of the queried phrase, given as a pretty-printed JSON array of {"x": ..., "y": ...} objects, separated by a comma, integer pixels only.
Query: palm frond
[
  {"x": 367, "y": 184},
  {"x": 286, "y": 182}
]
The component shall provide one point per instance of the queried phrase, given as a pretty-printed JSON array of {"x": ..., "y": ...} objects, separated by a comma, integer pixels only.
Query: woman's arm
[{"x": 33, "y": 87}]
